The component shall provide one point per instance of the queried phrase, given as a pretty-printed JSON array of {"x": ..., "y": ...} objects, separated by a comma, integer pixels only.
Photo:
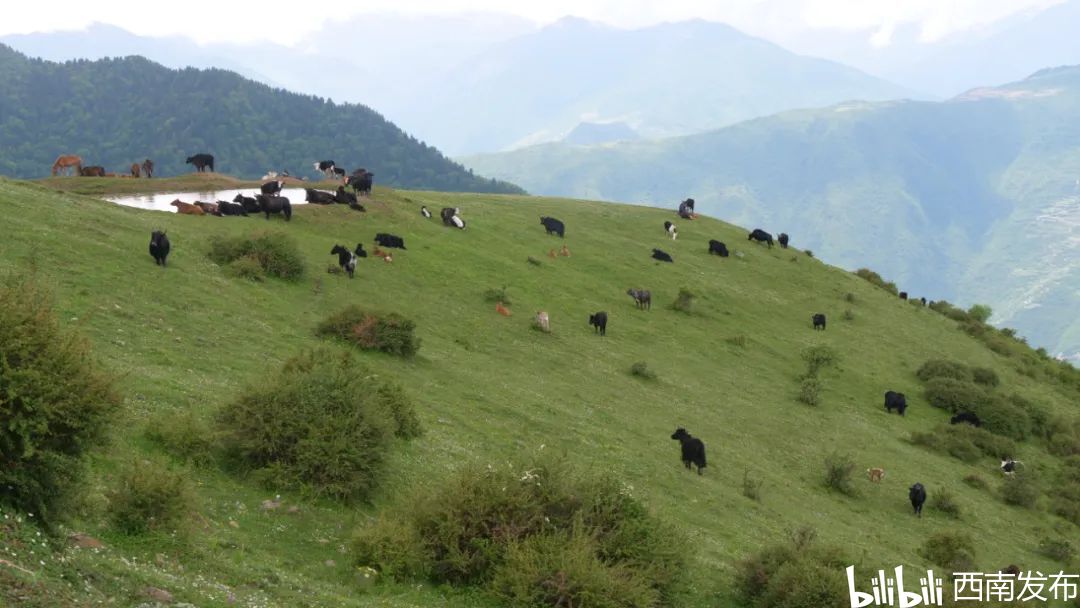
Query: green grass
[{"x": 188, "y": 338}]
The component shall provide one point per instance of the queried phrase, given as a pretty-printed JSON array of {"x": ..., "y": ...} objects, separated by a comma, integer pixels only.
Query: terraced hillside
[{"x": 188, "y": 338}]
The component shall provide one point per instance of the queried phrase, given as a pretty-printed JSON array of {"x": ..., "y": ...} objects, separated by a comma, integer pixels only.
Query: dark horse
[{"x": 148, "y": 168}]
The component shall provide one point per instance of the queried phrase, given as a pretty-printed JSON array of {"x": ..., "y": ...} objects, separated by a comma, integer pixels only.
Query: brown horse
[
  {"x": 187, "y": 208},
  {"x": 94, "y": 171},
  {"x": 67, "y": 163},
  {"x": 148, "y": 168},
  {"x": 134, "y": 169}
]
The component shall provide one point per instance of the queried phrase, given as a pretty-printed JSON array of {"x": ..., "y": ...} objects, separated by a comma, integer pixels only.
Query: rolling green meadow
[{"x": 185, "y": 340}]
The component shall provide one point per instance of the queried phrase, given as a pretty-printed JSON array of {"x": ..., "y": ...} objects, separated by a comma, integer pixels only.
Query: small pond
[{"x": 160, "y": 201}]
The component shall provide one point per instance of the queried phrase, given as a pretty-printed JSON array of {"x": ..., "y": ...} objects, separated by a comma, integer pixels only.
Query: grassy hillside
[
  {"x": 188, "y": 338},
  {"x": 114, "y": 112},
  {"x": 969, "y": 200}
]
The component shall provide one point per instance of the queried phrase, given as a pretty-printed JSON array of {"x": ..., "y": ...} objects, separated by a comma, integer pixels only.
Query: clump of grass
[
  {"x": 849, "y": 297},
  {"x": 739, "y": 340},
  {"x": 390, "y": 333},
  {"x": 976, "y": 481},
  {"x": 55, "y": 402},
  {"x": 810, "y": 391},
  {"x": 793, "y": 574},
  {"x": 875, "y": 278},
  {"x": 953, "y": 551},
  {"x": 150, "y": 497},
  {"x": 184, "y": 435},
  {"x": 849, "y": 315},
  {"x": 809, "y": 253},
  {"x": 1057, "y": 549},
  {"x": 533, "y": 261},
  {"x": 943, "y": 501},
  {"x": 838, "y": 473},
  {"x": 323, "y": 424},
  {"x": 249, "y": 267},
  {"x": 277, "y": 254},
  {"x": 498, "y": 295},
  {"x": 684, "y": 302},
  {"x": 819, "y": 357},
  {"x": 751, "y": 486},
  {"x": 641, "y": 370}
]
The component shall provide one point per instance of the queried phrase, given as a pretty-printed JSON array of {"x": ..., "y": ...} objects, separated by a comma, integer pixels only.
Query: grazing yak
[
  {"x": 318, "y": 197},
  {"x": 249, "y": 203},
  {"x": 424, "y": 212},
  {"x": 686, "y": 209},
  {"x": 760, "y": 236},
  {"x": 693, "y": 449},
  {"x": 272, "y": 188},
  {"x": 346, "y": 259},
  {"x": 968, "y": 417},
  {"x": 923, "y": 301},
  {"x": 642, "y": 298},
  {"x": 186, "y": 208},
  {"x": 819, "y": 321},
  {"x": 718, "y": 248},
  {"x": 361, "y": 181},
  {"x": 338, "y": 172},
  {"x": 274, "y": 204},
  {"x": 159, "y": 247},
  {"x": 148, "y": 168},
  {"x": 599, "y": 322},
  {"x": 917, "y": 496},
  {"x": 343, "y": 197},
  {"x": 227, "y": 208},
  {"x": 903, "y": 295},
  {"x": 389, "y": 240},
  {"x": 895, "y": 401},
  {"x": 661, "y": 256},
  {"x": 672, "y": 231},
  {"x": 201, "y": 162},
  {"x": 783, "y": 240},
  {"x": 553, "y": 226}
]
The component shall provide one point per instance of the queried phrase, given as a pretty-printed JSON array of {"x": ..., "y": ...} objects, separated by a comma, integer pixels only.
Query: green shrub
[
  {"x": 249, "y": 267},
  {"x": 943, "y": 368},
  {"x": 563, "y": 569},
  {"x": 498, "y": 295},
  {"x": 533, "y": 261},
  {"x": 322, "y": 424},
  {"x": 1057, "y": 549},
  {"x": 819, "y": 357},
  {"x": 976, "y": 482},
  {"x": 751, "y": 486},
  {"x": 641, "y": 370},
  {"x": 849, "y": 315},
  {"x": 955, "y": 396},
  {"x": 55, "y": 402},
  {"x": 838, "y": 471},
  {"x": 150, "y": 497},
  {"x": 810, "y": 391},
  {"x": 801, "y": 574},
  {"x": 184, "y": 435},
  {"x": 943, "y": 500},
  {"x": 985, "y": 376},
  {"x": 684, "y": 302},
  {"x": 511, "y": 529},
  {"x": 965, "y": 442},
  {"x": 849, "y": 297},
  {"x": 980, "y": 312},
  {"x": 276, "y": 253},
  {"x": 950, "y": 311},
  {"x": 953, "y": 551},
  {"x": 1001, "y": 417},
  {"x": 1065, "y": 499},
  {"x": 392, "y": 333},
  {"x": 1020, "y": 490},
  {"x": 875, "y": 278}
]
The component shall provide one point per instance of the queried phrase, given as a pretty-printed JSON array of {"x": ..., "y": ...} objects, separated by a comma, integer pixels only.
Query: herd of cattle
[{"x": 269, "y": 202}]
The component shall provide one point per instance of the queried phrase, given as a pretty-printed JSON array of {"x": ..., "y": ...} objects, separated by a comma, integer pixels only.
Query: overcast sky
[{"x": 288, "y": 22}]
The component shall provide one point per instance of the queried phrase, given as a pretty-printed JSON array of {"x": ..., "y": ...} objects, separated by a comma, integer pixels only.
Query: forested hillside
[
  {"x": 114, "y": 112},
  {"x": 975, "y": 199}
]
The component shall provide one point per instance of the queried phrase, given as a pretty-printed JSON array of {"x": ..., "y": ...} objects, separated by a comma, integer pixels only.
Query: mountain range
[{"x": 975, "y": 199}]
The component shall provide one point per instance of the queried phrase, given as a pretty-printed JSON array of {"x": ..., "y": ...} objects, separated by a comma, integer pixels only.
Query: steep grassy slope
[
  {"x": 187, "y": 338},
  {"x": 939, "y": 197},
  {"x": 114, "y": 112}
]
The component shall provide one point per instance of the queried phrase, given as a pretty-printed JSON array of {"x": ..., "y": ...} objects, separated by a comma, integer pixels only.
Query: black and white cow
[
  {"x": 249, "y": 203},
  {"x": 424, "y": 212},
  {"x": 346, "y": 259},
  {"x": 672, "y": 231},
  {"x": 272, "y": 188},
  {"x": 326, "y": 167}
]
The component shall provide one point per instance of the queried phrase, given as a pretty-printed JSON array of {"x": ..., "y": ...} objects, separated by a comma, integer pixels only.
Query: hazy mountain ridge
[{"x": 965, "y": 200}]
